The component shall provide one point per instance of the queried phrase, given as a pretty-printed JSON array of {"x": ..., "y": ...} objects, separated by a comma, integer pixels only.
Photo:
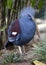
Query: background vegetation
[{"x": 9, "y": 10}]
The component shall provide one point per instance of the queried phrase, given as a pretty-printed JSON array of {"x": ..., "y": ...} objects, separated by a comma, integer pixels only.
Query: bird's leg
[
  {"x": 23, "y": 48},
  {"x": 20, "y": 49}
]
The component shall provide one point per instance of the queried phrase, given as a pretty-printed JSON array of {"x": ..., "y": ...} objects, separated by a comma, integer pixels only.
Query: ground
[
  {"x": 23, "y": 63},
  {"x": 28, "y": 56}
]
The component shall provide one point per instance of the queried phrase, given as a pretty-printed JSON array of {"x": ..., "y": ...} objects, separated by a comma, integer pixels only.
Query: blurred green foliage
[
  {"x": 40, "y": 4},
  {"x": 14, "y": 57},
  {"x": 9, "y": 5},
  {"x": 40, "y": 50}
]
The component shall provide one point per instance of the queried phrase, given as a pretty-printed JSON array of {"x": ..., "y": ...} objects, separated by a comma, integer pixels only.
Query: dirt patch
[{"x": 22, "y": 63}]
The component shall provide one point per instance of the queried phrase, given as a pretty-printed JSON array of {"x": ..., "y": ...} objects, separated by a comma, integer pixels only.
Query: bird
[{"x": 22, "y": 30}]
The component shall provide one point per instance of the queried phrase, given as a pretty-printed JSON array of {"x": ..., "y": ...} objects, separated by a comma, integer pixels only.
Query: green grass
[
  {"x": 9, "y": 58},
  {"x": 40, "y": 50}
]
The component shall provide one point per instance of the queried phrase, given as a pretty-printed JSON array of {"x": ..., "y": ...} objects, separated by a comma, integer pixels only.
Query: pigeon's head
[{"x": 28, "y": 11}]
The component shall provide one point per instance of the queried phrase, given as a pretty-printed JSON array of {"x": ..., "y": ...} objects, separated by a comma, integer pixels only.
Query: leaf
[
  {"x": 9, "y": 3},
  {"x": 38, "y": 63},
  {"x": 40, "y": 4},
  {"x": 33, "y": 2}
]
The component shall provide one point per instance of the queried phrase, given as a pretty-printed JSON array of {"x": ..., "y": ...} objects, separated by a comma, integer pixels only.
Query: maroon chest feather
[{"x": 16, "y": 27}]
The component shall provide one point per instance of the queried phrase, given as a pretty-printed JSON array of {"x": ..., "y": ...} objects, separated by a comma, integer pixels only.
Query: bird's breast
[{"x": 28, "y": 28}]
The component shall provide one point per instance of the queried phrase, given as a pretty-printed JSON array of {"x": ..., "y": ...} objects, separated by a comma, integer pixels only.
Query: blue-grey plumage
[
  {"x": 27, "y": 10},
  {"x": 27, "y": 26}
]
